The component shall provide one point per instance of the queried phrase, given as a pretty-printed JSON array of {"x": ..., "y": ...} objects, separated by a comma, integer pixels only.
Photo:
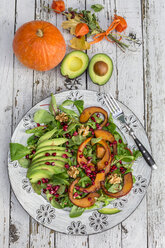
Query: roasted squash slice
[
  {"x": 100, "y": 151},
  {"x": 102, "y": 163},
  {"x": 84, "y": 202},
  {"x": 105, "y": 135},
  {"x": 128, "y": 184},
  {"x": 88, "y": 112},
  {"x": 80, "y": 157}
]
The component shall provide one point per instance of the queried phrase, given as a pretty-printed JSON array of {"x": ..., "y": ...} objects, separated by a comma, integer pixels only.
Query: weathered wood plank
[
  {"x": 112, "y": 237},
  {"x": 130, "y": 88},
  {"x": 6, "y": 88},
  {"x": 22, "y": 102},
  {"x": 154, "y": 63},
  {"x": 43, "y": 85}
]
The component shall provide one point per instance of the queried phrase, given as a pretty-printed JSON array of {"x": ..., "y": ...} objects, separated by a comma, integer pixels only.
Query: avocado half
[
  {"x": 100, "y": 68},
  {"x": 74, "y": 64}
]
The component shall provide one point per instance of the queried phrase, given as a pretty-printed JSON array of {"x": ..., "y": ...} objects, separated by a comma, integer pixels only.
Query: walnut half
[
  {"x": 114, "y": 179},
  {"x": 62, "y": 117},
  {"x": 73, "y": 172}
]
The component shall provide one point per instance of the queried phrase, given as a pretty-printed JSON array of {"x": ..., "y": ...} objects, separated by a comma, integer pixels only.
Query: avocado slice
[
  {"x": 42, "y": 154},
  {"x": 37, "y": 175},
  {"x": 109, "y": 210},
  {"x": 100, "y": 68},
  {"x": 52, "y": 142},
  {"x": 52, "y": 148},
  {"x": 41, "y": 165},
  {"x": 49, "y": 159},
  {"x": 74, "y": 64},
  {"x": 52, "y": 169}
]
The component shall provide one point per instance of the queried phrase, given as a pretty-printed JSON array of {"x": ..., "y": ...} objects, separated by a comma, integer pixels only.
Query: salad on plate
[{"x": 76, "y": 157}]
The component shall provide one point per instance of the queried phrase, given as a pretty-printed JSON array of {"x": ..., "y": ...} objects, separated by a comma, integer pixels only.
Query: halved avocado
[
  {"x": 42, "y": 154},
  {"x": 100, "y": 68},
  {"x": 74, "y": 64}
]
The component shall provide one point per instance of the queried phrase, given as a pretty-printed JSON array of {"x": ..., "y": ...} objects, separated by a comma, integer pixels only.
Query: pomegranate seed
[
  {"x": 107, "y": 124},
  {"x": 54, "y": 154},
  {"x": 66, "y": 150},
  {"x": 53, "y": 163},
  {"x": 112, "y": 155},
  {"x": 47, "y": 163},
  {"x": 27, "y": 157},
  {"x": 47, "y": 154},
  {"x": 38, "y": 124},
  {"x": 77, "y": 187},
  {"x": 43, "y": 180},
  {"x": 66, "y": 166},
  {"x": 98, "y": 115},
  {"x": 87, "y": 184},
  {"x": 79, "y": 151},
  {"x": 46, "y": 180},
  {"x": 62, "y": 123},
  {"x": 85, "y": 191},
  {"x": 113, "y": 168},
  {"x": 52, "y": 192},
  {"x": 34, "y": 151},
  {"x": 90, "y": 129},
  {"x": 75, "y": 133},
  {"x": 66, "y": 190},
  {"x": 64, "y": 156},
  {"x": 88, "y": 170},
  {"x": 106, "y": 163},
  {"x": 89, "y": 158},
  {"x": 115, "y": 142},
  {"x": 111, "y": 144},
  {"x": 81, "y": 155},
  {"x": 49, "y": 186},
  {"x": 93, "y": 183},
  {"x": 120, "y": 141},
  {"x": 44, "y": 191},
  {"x": 122, "y": 170},
  {"x": 67, "y": 143},
  {"x": 120, "y": 162},
  {"x": 89, "y": 198},
  {"x": 97, "y": 125},
  {"x": 56, "y": 195},
  {"x": 99, "y": 128},
  {"x": 50, "y": 199},
  {"x": 39, "y": 182},
  {"x": 57, "y": 199},
  {"x": 93, "y": 132},
  {"x": 75, "y": 195},
  {"x": 77, "y": 165},
  {"x": 93, "y": 119}
]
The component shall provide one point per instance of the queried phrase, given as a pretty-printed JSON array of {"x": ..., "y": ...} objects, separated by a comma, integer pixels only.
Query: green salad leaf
[
  {"x": 68, "y": 111},
  {"x": 18, "y": 151},
  {"x": 25, "y": 163},
  {"x": 43, "y": 116},
  {"x": 79, "y": 105}
]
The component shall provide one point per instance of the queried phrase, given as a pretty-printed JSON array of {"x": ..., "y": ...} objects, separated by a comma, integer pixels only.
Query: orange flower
[{"x": 58, "y": 6}]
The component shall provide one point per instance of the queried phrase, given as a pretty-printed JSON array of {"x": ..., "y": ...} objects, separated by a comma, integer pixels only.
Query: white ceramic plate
[{"x": 90, "y": 222}]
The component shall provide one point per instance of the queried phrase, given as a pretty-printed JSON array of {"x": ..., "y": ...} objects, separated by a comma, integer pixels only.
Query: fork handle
[{"x": 147, "y": 156}]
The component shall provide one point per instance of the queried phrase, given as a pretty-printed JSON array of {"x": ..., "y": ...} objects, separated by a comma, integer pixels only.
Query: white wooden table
[{"x": 137, "y": 80}]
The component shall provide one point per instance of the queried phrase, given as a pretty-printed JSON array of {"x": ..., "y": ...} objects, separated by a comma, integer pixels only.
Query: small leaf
[
  {"x": 97, "y": 7},
  {"x": 55, "y": 204},
  {"x": 24, "y": 162},
  {"x": 53, "y": 105},
  {"x": 95, "y": 140},
  {"x": 37, "y": 188},
  {"x": 79, "y": 43},
  {"x": 79, "y": 105},
  {"x": 18, "y": 151},
  {"x": 43, "y": 116},
  {"x": 67, "y": 103},
  {"x": 47, "y": 135},
  {"x": 76, "y": 212},
  {"x": 68, "y": 111}
]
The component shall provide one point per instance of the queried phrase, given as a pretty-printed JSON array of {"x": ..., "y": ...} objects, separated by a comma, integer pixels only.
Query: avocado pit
[{"x": 100, "y": 68}]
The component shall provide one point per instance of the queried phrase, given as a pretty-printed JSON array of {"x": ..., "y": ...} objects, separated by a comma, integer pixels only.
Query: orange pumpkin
[{"x": 39, "y": 45}]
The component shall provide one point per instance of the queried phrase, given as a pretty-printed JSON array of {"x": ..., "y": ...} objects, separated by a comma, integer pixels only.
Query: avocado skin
[
  {"x": 65, "y": 63},
  {"x": 100, "y": 80},
  {"x": 52, "y": 142},
  {"x": 42, "y": 154}
]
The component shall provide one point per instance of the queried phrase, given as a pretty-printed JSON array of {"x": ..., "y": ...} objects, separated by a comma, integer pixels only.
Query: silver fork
[{"x": 117, "y": 113}]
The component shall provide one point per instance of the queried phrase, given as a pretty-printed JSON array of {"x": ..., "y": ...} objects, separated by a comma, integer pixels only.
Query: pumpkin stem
[{"x": 39, "y": 33}]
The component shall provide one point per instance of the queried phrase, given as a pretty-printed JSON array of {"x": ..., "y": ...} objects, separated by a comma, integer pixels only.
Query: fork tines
[{"x": 112, "y": 104}]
